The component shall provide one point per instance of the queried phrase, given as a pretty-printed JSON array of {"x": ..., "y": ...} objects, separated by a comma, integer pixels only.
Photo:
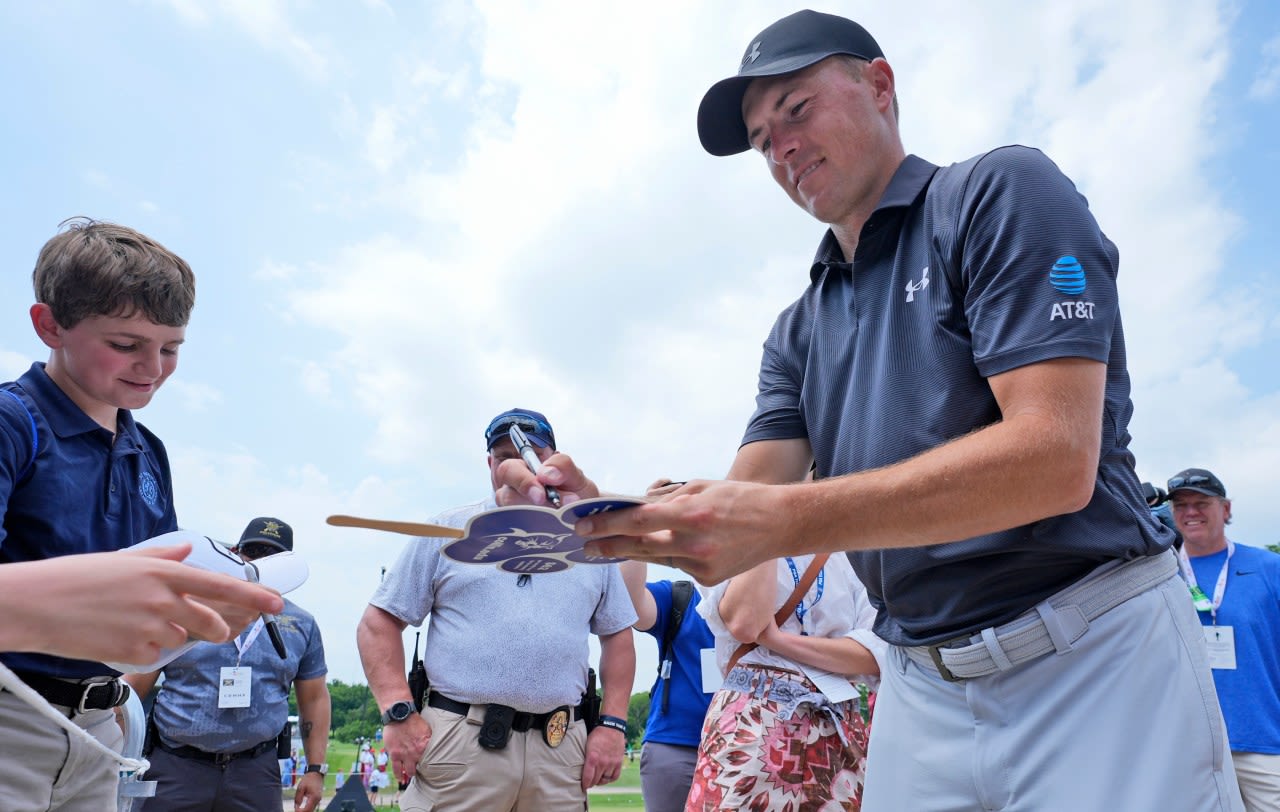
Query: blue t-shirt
[
  {"x": 85, "y": 492},
  {"x": 1249, "y": 693},
  {"x": 682, "y": 723},
  {"x": 186, "y": 709},
  {"x": 960, "y": 274}
]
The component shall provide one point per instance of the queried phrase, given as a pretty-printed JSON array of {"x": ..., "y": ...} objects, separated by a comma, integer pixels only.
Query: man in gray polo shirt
[
  {"x": 955, "y": 370},
  {"x": 506, "y": 658}
]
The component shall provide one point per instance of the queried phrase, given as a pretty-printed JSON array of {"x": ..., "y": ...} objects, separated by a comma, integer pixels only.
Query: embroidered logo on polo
[
  {"x": 148, "y": 489},
  {"x": 913, "y": 287},
  {"x": 1067, "y": 276}
]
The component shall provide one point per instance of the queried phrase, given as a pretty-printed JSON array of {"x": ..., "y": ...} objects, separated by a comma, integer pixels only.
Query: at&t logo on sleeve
[{"x": 1067, "y": 276}]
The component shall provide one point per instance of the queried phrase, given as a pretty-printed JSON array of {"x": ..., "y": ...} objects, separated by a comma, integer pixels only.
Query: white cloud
[{"x": 1267, "y": 80}]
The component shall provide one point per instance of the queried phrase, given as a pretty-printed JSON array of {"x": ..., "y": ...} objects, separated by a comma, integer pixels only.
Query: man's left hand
[
  {"x": 307, "y": 796},
  {"x": 605, "y": 748}
]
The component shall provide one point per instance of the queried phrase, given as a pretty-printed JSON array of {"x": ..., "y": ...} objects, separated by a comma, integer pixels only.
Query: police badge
[{"x": 555, "y": 728}]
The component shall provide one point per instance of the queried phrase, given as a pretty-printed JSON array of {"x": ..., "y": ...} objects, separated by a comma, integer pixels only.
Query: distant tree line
[{"x": 355, "y": 713}]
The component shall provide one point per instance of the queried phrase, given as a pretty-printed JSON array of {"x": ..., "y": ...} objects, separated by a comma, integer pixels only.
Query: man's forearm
[
  {"x": 617, "y": 672},
  {"x": 315, "y": 714},
  {"x": 382, "y": 655}
]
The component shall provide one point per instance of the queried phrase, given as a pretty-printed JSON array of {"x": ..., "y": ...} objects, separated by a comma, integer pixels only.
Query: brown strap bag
[{"x": 782, "y": 614}]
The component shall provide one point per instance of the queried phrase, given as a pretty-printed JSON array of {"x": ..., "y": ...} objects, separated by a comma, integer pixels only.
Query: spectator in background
[
  {"x": 505, "y": 647},
  {"x": 788, "y": 728},
  {"x": 677, "y": 701},
  {"x": 223, "y": 707},
  {"x": 1236, "y": 590}
]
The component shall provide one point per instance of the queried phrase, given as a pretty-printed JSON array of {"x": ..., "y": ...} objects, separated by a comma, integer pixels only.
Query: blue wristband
[{"x": 614, "y": 722}]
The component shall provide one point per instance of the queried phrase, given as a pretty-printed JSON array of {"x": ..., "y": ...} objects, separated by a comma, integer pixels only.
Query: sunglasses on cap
[
  {"x": 527, "y": 423},
  {"x": 257, "y": 549},
  {"x": 1193, "y": 481}
]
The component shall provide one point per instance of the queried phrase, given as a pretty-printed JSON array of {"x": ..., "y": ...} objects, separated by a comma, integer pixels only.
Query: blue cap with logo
[{"x": 533, "y": 424}]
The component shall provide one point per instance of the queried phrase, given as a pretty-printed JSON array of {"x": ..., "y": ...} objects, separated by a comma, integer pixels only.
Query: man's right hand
[
  {"x": 517, "y": 485},
  {"x": 406, "y": 742}
]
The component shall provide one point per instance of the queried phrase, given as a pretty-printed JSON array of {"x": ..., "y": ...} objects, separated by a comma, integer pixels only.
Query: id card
[
  {"x": 712, "y": 679},
  {"x": 1222, "y": 646},
  {"x": 233, "y": 686},
  {"x": 833, "y": 686}
]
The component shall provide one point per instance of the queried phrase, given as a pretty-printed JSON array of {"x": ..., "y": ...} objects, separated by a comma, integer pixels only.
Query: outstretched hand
[
  {"x": 122, "y": 607},
  {"x": 712, "y": 530}
]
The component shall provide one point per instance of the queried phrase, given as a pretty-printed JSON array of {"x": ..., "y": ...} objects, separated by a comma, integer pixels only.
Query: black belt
[
  {"x": 81, "y": 696},
  {"x": 522, "y": 721},
  {"x": 196, "y": 754}
]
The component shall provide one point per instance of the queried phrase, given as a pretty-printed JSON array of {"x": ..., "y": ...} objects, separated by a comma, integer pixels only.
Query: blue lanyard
[{"x": 795, "y": 579}]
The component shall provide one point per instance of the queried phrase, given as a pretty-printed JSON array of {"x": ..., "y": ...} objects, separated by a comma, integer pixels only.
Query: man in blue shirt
[
  {"x": 677, "y": 702},
  {"x": 955, "y": 371},
  {"x": 1236, "y": 590},
  {"x": 222, "y": 708}
]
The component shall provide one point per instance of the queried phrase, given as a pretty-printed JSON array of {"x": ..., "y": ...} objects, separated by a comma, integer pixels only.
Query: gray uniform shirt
[{"x": 492, "y": 641}]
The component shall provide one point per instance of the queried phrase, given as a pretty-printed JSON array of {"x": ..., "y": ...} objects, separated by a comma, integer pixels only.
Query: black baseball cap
[
  {"x": 1198, "y": 480},
  {"x": 792, "y": 43},
  {"x": 270, "y": 531}
]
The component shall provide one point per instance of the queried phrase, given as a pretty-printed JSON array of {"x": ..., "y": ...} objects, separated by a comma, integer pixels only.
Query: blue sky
[{"x": 405, "y": 218}]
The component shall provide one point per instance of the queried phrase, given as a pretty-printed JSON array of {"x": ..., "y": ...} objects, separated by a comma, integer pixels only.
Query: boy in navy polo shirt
[{"x": 78, "y": 475}]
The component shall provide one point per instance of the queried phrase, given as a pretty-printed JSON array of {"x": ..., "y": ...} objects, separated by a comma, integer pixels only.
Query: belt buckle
[
  {"x": 118, "y": 690},
  {"x": 935, "y": 654}
]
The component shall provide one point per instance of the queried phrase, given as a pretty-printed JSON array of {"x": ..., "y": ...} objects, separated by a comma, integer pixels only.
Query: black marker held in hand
[
  {"x": 269, "y": 620},
  {"x": 530, "y": 458}
]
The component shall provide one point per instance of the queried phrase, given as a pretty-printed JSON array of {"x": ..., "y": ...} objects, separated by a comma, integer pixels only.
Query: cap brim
[
  {"x": 260, "y": 540},
  {"x": 720, "y": 126},
  {"x": 1204, "y": 491}
]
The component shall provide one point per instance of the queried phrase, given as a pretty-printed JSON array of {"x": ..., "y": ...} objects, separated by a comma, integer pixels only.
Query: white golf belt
[{"x": 1051, "y": 625}]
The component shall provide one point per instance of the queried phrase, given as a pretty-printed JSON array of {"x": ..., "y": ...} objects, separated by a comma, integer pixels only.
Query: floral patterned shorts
[{"x": 772, "y": 743}]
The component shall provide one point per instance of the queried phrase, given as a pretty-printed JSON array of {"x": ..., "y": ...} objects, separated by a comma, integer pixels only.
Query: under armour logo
[
  {"x": 752, "y": 55},
  {"x": 912, "y": 287}
]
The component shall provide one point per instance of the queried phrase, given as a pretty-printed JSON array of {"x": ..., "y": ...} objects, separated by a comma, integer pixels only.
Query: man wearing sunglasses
[
  {"x": 506, "y": 658},
  {"x": 1236, "y": 591},
  {"x": 221, "y": 716}
]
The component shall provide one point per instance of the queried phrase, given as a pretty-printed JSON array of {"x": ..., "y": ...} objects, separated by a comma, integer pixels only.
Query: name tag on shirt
[
  {"x": 712, "y": 679},
  {"x": 233, "y": 686},
  {"x": 1222, "y": 646}
]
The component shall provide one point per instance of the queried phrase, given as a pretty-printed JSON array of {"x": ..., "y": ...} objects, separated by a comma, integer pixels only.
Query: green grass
[{"x": 341, "y": 755}]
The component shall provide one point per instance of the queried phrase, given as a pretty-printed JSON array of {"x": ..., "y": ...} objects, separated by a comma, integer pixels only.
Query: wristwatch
[
  {"x": 398, "y": 712},
  {"x": 323, "y": 769}
]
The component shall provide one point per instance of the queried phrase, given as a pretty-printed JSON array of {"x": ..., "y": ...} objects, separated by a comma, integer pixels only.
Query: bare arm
[
  {"x": 314, "y": 715},
  {"x": 121, "y": 606},
  {"x": 839, "y": 655},
  {"x": 1039, "y": 460},
  {"x": 378, "y": 637},
  {"x": 749, "y": 602},
  {"x": 606, "y": 746},
  {"x": 633, "y": 575}
]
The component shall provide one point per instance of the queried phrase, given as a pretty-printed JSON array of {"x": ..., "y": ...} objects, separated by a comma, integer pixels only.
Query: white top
[{"x": 842, "y": 611}]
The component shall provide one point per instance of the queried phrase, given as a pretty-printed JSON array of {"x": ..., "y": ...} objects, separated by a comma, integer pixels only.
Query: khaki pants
[
  {"x": 1259, "y": 777},
  {"x": 42, "y": 769},
  {"x": 456, "y": 774}
]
